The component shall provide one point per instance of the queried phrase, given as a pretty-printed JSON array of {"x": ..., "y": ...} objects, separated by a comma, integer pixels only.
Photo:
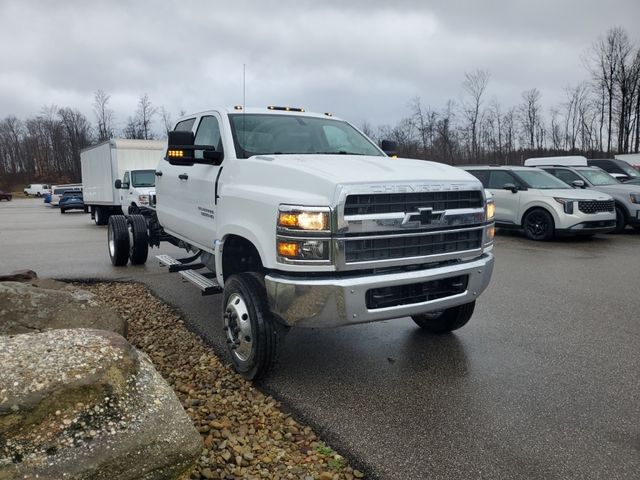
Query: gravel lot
[{"x": 245, "y": 433}]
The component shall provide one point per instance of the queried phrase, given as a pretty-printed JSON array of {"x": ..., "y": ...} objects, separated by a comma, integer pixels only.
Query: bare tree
[
  {"x": 166, "y": 120},
  {"x": 529, "y": 115},
  {"x": 475, "y": 84},
  {"x": 144, "y": 116},
  {"x": 104, "y": 116}
]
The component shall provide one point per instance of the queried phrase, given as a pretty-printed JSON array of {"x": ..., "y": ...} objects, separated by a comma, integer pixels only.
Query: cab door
[{"x": 186, "y": 200}]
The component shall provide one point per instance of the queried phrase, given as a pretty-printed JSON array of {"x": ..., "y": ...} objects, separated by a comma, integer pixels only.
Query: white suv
[{"x": 542, "y": 205}]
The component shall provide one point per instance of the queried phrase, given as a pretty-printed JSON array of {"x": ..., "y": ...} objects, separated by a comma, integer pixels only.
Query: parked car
[
  {"x": 37, "y": 189},
  {"x": 5, "y": 196},
  {"x": 625, "y": 195},
  {"x": 58, "y": 191},
  {"x": 617, "y": 168},
  {"x": 72, "y": 201},
  {"x": 47, "y": 198},
  {"x": 540, "y": 204}
]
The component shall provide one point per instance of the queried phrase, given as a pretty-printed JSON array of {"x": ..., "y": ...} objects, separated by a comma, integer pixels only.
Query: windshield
[
  {"x": 598, "y": 177},
  {"x": 143, "y": 178},
  {"x": 540, "y": 179},
  {"x": 255, "y": 134}
]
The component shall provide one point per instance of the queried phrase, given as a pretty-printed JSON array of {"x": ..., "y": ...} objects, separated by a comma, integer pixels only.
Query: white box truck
[{"x": 118, "y": 176}]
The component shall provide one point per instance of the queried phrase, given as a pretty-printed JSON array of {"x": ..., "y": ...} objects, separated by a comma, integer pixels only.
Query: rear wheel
[
  {"x": 62, "y": 210},
  {"x": 100, "y": 216},
  {"x": 138, "y": 239},
  {"x": 118, "y": 237},
  {"x": 445, "y": 321},
  {"x": 538, "y": 225},
  {"x": 253, "y": 335}
]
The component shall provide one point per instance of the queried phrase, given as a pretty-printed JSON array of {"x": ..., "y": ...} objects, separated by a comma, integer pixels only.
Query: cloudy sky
[{"x": 363, "y": 60}]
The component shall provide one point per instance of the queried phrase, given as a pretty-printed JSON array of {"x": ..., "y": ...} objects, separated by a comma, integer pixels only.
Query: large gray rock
[
  {"x": 85, "y": 404},
  {"x": 40, "y": 304}
]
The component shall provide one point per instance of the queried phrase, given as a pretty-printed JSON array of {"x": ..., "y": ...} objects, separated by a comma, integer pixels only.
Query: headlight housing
[
  {"x": 304, "y": 235},
  {"x": 143, "y": 199},
  {"x": 567, "y": 203},
  {"x": 490, "y": 210},
  {"x": 311, "y": 219},
  {"x": 634, "y": 197}
]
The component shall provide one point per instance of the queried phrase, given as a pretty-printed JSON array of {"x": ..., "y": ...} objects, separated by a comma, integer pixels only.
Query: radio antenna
[{"x": 244, "y": 105}]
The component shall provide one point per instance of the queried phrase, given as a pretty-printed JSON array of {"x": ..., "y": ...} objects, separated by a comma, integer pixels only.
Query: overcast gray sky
[{"x": 363, "y": 60}]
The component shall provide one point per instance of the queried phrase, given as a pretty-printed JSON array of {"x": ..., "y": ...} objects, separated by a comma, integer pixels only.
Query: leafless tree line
[
  {"x": 598, "y": 118},
  {"x": 47, "y": 147}
]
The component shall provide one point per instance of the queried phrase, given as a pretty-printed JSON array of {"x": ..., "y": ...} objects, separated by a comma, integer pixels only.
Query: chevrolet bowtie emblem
[{"x": 423, "y": 216}]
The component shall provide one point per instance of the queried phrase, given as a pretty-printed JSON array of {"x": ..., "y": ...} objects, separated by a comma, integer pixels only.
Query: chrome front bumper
[{"x": 332, "y": 302}]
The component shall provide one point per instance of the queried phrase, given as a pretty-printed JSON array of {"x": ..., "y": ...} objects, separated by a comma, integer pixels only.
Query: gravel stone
[{"x": 245, "y": 433}]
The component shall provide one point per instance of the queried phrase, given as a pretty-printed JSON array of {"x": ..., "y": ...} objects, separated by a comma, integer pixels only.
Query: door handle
[
  {"x": 158, "y": 173},
  {"x": 183, "y": 176}
]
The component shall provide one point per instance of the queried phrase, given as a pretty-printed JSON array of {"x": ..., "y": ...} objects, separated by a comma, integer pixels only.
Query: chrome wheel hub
[{"x": 237, "y": 325}]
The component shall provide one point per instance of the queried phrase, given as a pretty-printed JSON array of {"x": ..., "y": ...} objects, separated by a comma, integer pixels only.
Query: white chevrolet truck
[{"x": 300, "y": 220}]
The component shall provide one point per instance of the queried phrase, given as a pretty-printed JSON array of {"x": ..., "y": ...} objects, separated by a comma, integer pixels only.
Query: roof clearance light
[
  {"x": 238, "y": 107},
  {"x": 285, "y": 109},
  {"x": 328, "y": 114}
]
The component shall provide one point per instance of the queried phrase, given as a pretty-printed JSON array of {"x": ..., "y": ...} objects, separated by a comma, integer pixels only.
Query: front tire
[
  {"x": 447, "y": 320},
  {"x": 138, "y": 239},
  {"x": 538, "y": 225},
  {"x": 253, "y": 335},
  {"x": 118, "y": 238},
  {"x": 62, "y": 210},
  {"x": 621, "y": 220}
]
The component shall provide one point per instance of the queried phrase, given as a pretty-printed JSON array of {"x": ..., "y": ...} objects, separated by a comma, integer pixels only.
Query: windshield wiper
[{"x": 339, "y": 152}]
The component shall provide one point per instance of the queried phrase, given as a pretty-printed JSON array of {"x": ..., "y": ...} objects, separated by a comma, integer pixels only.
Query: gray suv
[{"x": 627, "y": 197}]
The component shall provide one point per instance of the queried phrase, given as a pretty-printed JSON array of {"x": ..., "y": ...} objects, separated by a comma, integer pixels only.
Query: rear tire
[
  {"x": 100, "y": 216},
  {"x": 538, "y": 225},
  {"x": 447, "y": 320},
  {"x": 62, "y": 210},
  {"x": 138, "y": 239},
  {"x": 254, "y": 337},
  {"x": 118, "y": 240}
]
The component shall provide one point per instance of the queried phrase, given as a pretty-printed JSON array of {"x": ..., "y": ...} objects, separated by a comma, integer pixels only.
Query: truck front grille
[
  {"x": 416, "y": 292},
  {"x": 595, "y": 206},
  {"x": 395, "y": 247},
  {"x": 367, "y": 204}
]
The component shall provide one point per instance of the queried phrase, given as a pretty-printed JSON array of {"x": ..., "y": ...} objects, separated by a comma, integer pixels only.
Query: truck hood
[
  {"x": 355, "y": 169},
  {"x": 574, "y": 193}
]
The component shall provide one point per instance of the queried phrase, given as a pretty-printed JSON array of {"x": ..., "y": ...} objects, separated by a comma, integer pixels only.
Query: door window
[
  {"x": 499, "y": 178},
  {"x": 566, "y": 176},
  {"x": 208, "y": 134},
  {"x": 125, "y": 179},
  {"x": 482, "y": 175},
  {"x": 185, "y": 125}
]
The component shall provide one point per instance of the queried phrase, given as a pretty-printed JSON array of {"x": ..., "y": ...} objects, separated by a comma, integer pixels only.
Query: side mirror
[
  {"x": 578, "y": 183},
  {"x": 213, "y": 156},
  {"x": 389, "y": 147},
  {"x": 510, "y": 186},
  {"x": 118, "y": 184}
]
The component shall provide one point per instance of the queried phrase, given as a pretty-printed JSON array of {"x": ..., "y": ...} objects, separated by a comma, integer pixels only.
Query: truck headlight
[
  {"x": 567, "y": 203},
  {"x": 303, "y": 249},
  {"x": 634, "y": 197},
  {"x": 303, "y": 218},
  {"x": 143, "y": 199},
  {"x": 490, "y": 209}
]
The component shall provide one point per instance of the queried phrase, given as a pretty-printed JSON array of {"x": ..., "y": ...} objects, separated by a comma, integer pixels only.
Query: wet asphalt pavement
[{"x": 543, "y": 383}]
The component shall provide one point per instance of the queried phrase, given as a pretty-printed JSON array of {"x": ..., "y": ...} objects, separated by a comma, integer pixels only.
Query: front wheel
[
  {"x": 118, "y": 238},
  {"x": 621, "y": 221},
  {"x": 253, "y": 335},
  {"x": 538, "y": 225},
  {"x": 445, "y": 321}
]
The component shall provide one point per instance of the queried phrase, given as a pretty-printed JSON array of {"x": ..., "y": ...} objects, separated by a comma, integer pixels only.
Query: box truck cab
[{"x": 136, "y": 188}]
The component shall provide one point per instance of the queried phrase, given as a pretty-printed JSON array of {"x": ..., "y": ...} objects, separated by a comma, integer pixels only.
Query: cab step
[
  {"x": 208, "y": 286},
  {"x": 176, "y": 265}
]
